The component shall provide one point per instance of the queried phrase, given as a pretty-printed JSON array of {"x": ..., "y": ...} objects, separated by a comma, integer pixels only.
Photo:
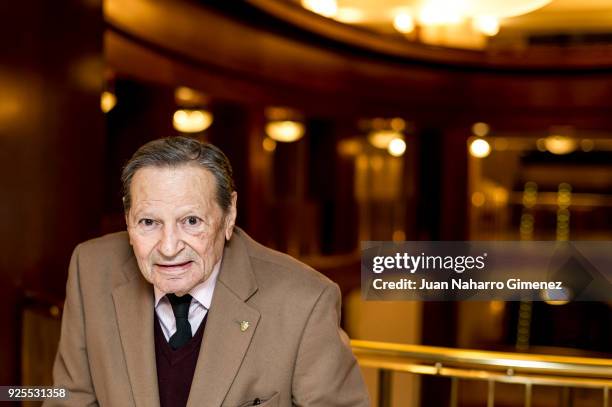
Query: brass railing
[{"x": 488, "y": 366}]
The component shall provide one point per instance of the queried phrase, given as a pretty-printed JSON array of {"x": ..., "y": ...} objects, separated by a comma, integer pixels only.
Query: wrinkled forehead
[{"x": 179, "y": 185}]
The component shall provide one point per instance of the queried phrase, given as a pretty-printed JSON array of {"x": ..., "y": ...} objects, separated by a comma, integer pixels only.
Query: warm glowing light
[
  {"x": 377, "y": 163},
  {"x": 560, "y": 144},
  {"x": 192, "y": 121},
  {"x": 500, "y": 143},
  {"x": 587, "y": 145},
  {"x": 556, "y": 297},
  {"x": 54, "y": 310},
  {"x": 478, "y": 199},
  {"x": 440, "y": 12},
  {"x": 285, "y": 131},
  {"x": 349, "y": 15},
  {"x": 183, "y": 93},
  {"x": 485, "y": 13},
  {"x": 488, "y": 25},
  {"x": 403, "y": 22},
  {"x": 185, "y": 96},
  {"x": 349, "y": 147},
  {"x": 502, "y": 8},
  {"x": 87, "y": 72},
  {"x": 379, "y": 123},
  {"x": 497, "y": 307},
  {"x": 399, "y": 235},
  {"x": 564, "y": 200},
  {"x": 326, "y": 8},
  {"x": 501, "y": 195},
  {"x": 480, "y": 148},
  {"x": 108, "y": 100},
  {"x": 398, "y": 124},
  {"x": 268, "y": 144},
  {"x": 362, "y": 162},
  {"x": 9, "y": 109},
  {"x": 556, "y": 302},
  {"x": 480, "y": 129},
  {"x": 397, "y": 147},
  {"x": 382, "y": 138},
  {"x": 530, "y": 195}
]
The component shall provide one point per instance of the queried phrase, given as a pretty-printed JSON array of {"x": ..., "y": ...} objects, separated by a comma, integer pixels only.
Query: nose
[{"x": 171, "y": 242}]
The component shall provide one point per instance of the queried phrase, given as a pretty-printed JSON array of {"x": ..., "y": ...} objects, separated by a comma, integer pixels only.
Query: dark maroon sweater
[{"x": 175, "y": 368}]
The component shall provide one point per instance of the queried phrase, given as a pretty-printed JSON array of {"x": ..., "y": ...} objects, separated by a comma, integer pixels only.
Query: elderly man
[{"x": 185, "y": 309}]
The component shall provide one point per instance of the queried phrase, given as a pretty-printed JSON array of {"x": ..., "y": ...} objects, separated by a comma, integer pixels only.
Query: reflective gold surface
[{"x": 508, "y": 367}]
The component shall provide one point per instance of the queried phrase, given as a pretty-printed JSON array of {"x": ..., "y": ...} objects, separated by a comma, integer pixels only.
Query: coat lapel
[
  {"x": 230, "y": 326},
  {"x": 134, "y": 308}
]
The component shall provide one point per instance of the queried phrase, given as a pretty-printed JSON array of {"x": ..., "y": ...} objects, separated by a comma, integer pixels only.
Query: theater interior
[{"x": 345, "y": 121}]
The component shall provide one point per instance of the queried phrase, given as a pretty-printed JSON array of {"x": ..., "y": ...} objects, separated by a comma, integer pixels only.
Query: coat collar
[
  {"x": 236, "y": 270},
  {"x": 134, "y": 312},
  {"x": 229, "y": 328}
]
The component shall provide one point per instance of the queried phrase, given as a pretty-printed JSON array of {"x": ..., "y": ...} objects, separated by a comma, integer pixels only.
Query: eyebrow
[{"x": 181, "y": 212}]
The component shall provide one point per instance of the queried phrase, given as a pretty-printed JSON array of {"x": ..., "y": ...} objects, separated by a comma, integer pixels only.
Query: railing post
[
  {"x": 523, "y": 331},
  {"x": 528, "y": 395},
  {"x": 384, "y": 388},
  {"x": 454, "y": 396},
  {"x": 491, "y": 394},
  {"x": 606, "y": 396},
  {"x": 566, "y": 397}
]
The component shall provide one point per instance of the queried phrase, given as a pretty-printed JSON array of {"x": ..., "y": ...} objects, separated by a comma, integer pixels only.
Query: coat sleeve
[
  {"x": 71, "y": 367},
  {"x": 326, "y": 372}
]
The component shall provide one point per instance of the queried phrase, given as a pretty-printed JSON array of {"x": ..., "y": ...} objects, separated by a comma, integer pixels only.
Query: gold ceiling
[{"x": 477, "y": 24}]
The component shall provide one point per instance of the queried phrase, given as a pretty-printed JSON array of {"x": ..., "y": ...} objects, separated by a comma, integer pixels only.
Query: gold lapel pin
[{"x": 244, "y": 325}]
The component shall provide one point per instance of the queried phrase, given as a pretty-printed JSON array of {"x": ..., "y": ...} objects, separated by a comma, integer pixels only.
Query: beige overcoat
[{"x": 291, "y": 353}]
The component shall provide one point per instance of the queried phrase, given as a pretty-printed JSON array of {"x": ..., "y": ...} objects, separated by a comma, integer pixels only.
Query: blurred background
[{"x": 344, "y": 120}]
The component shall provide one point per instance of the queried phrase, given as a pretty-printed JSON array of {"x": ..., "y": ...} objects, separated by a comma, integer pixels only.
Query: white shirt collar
[{"x": 202, "y": 292}]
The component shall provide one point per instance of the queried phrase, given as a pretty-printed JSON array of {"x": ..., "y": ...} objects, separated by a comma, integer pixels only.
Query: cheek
[
  {"x": 142, "y": 245},
  {"x": 208, "y": 249},
  {"x": 204, "y": 249}
]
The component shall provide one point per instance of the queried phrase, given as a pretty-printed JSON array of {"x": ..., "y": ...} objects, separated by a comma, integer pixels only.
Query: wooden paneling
[{"x": 51, "y": 150}]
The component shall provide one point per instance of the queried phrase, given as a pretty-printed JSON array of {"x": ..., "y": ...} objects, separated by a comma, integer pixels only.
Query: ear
[
  {"x": 127, "y": 225},
  {"x": 125, "y": 212},
  {"x": 230, "y": 218}
]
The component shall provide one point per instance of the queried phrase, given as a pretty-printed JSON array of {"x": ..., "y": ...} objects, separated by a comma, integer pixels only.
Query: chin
[{"x": 174, "y": 285}]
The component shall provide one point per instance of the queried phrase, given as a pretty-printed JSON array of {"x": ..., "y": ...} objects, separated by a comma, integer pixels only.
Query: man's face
[{"x": 176, "y": 227}]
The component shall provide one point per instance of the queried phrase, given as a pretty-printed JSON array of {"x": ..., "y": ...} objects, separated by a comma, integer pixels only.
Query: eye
[
  {"x": 146, "y": 222},
  {"x": 192, "y": 220}
]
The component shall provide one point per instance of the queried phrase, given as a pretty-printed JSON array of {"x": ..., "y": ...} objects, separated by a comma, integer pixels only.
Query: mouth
[{"x": 173, "y": 268}]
